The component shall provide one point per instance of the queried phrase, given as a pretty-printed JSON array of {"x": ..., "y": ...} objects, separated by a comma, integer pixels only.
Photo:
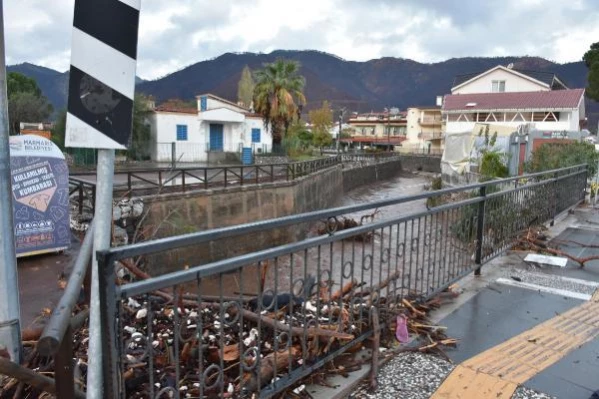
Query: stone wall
[{"x": 270, "y": 159}]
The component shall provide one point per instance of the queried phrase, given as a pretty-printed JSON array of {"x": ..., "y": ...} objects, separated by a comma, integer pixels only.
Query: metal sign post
[
  {"x": 99, "y": 115},
  {"x": 10, "y": 326}
]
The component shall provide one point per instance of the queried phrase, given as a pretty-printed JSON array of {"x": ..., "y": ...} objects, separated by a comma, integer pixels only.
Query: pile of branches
[
  {"x": 180, "y": 330},
  {"x": 344, "y": 223},
  {"x": 533, "y": 239},
  {"x": 34, "y": 377}
]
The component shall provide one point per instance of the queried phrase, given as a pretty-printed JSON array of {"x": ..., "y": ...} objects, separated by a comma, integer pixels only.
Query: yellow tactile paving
[
  {"x": 497, "y": 372},
  {"x": 469, "y": 384}
]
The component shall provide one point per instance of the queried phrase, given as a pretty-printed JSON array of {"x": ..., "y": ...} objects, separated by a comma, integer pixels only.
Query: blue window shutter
[
  {"x": 203, "y": 103},
  {"x": 181, "y": 132},
  {"x": 255, "y": 135}
]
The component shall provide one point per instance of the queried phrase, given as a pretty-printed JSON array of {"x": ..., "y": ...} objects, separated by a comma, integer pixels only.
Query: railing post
[
  {"x": 272, "y": 173},
  {"x": 242, "y": 177},
  {"x": 93, "y": 200},
  {"x": 205, "y": 178},
  {"x": 480, "y": 230},
  {"x": 183, "y": 179},
  {"x": 554, "y": 199},
  {"x": 65, "y": 382},
  {"x": 81, "y": 198},
  {"x": 257, "y": 174},
  {"x": 225, "y": 171},
  {"x": 108, "y": 317},
  {"x": 173, "y": 153},
  {"x": 129, "y": 185}
]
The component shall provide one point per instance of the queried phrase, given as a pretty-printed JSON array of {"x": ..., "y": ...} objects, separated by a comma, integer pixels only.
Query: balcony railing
[
  {"x": 431, "y": 135},
  {"x": 430, "y": 121}
]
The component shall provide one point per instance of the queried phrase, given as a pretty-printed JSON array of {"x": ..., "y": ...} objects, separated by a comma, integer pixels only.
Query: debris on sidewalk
[{"x": 533, "y": 239}]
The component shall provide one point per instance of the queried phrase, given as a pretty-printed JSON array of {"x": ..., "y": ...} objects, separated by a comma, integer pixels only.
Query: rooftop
[
  {"x": 549, "y": 78},
  {"x": 534, "y": 100}
]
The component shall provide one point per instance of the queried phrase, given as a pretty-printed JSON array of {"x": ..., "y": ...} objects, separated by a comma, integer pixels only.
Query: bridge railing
[{"x": 261, "y": 321}]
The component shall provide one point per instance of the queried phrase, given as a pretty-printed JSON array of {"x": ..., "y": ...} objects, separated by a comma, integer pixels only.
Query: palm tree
[{"x": 278, "y": 95}]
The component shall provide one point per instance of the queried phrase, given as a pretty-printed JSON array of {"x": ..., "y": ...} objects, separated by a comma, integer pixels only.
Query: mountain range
[{"x": 357, "y": 86}]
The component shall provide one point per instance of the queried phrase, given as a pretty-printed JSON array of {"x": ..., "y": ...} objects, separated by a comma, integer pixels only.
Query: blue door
[
  {"x": 246, "y": 156},
  {"x": 216, "y": 137}
]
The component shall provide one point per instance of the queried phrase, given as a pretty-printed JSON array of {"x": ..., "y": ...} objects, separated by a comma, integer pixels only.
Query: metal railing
[
  {"x": 262, "y": 321},
  {"x": 85, "y": 191},
  {"x": 424, "y": 151},
  {"x": 167, "y": 180},
  {"x": 375, "y": 157},
  {"x": 57, "y": 338}
]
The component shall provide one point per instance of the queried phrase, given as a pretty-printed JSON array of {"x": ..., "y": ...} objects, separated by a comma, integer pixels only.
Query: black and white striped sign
[{"x": 102, "y": 77}]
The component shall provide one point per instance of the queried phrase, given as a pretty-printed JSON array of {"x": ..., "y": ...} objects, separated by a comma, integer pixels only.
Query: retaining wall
[
  {"x": 206, "y": 209},
  {"x": 180, "y": 213}
]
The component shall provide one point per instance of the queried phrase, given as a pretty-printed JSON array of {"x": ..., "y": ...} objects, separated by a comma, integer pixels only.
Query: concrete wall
[
  {"x": 200, "y": 210},
  {"x": 421, "y": 163},
  {"x": 206, "y": 209}
]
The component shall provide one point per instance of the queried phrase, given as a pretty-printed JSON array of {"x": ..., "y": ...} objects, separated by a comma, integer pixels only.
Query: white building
[
  {"x": 424, "y": 129},
  {"x": 214, "y": 128},
  {"x": 509, "y": 97}
]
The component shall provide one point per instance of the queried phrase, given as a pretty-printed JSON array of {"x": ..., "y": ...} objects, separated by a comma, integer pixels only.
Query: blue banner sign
[{"x": 40, "y": 188}]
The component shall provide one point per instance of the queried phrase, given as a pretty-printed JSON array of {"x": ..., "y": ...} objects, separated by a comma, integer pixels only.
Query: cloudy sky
[{"x": 176, "y": 33}]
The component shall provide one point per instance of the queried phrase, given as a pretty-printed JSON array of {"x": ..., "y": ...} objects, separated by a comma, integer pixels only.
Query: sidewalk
[
  {"x": 534, "y": 326},
  {"x": 526, "y": 331}
]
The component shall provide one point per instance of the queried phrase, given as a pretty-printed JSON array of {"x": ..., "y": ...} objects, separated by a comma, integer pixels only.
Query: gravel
[
  {"x": 408, "y": 376},
  {"x": 549, "y": 280},
  {"x": 527, "y": 393},
  {"x": 417, "y": 376}
]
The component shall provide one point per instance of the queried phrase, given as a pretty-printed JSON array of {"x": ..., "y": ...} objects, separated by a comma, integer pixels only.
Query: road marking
[
  {"x": 542, "y": 288},
  {"x": 497, "y": 372}
]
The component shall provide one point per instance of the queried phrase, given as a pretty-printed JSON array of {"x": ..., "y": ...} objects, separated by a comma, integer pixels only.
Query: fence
[{"x": 261, "y": 321}]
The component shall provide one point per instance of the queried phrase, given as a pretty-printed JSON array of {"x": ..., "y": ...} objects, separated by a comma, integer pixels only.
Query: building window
[
  {"x": 203, "y": 103},
  {"x": 498, "y": 86},
  {"x": 255, "y": 135},
  {"x": 181, "y": 132}
]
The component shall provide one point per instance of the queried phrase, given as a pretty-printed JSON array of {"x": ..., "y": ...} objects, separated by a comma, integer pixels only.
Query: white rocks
[
  {"x": 141, "y": 313},
  {"x": 129, "y": 329},
  {"x": 133, "y": 303}
]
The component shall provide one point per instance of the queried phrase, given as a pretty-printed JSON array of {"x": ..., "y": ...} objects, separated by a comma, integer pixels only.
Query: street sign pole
[
  {"x": 99, "y": 115},
  {"x": 10, "y": 325},
  {"x": 102, "y": 234}
]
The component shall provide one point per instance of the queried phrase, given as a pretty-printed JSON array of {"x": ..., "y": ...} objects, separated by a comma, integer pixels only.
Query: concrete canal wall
[{"x": 180, "y": 213}]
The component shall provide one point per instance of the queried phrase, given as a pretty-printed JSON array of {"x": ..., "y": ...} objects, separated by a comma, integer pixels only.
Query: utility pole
[
  {"x": 341, "y": 114},
  {"x": 10, "y": 325}
]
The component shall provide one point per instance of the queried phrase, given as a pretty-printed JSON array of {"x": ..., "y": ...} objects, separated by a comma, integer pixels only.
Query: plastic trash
[{"x": 401, "y": 330}]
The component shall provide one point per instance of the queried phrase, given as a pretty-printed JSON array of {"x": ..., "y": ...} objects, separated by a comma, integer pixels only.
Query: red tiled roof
[
  {"x": 166, "y": 108},
  {"x": 541, "y": 100}
]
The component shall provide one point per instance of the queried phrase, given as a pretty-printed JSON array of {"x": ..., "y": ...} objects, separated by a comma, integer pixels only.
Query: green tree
[
  {"x": 139, "y": 149},
  {"x": 27, "y": 107},
  {"x": 59, "y": 128},
  {"x": 492, "y": 161},
  {"x": 560, "y": 155},
  {"x": 591, "y": 59},
  {"x": 245, "y": 87},
  {"x": 278, "y": 96},
  {"x": 322, "y": 122},
  {"x": 25, "y": 101},
  {"x": 19, "y": 83}
]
